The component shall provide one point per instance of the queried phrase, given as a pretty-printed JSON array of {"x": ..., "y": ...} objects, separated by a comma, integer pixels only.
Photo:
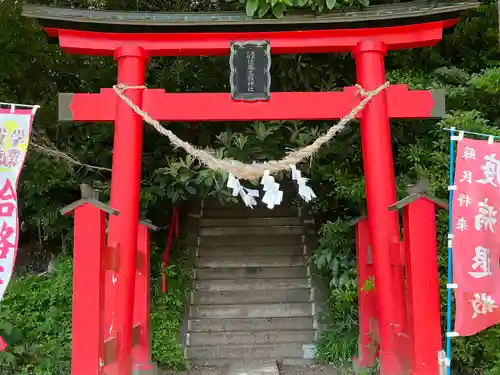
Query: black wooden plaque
[{"x": 250, "y": 64}]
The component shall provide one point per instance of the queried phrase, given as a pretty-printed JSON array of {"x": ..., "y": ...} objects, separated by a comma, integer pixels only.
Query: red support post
[
  {"x": 125, "y": 188},
  {"x": 141, "y": 353},
  {"x": 422, "y": 281},
  {"x": 88, "y": 290},
  {"x": 368, "y": 331},
  {"x": 380, "y": 194}
]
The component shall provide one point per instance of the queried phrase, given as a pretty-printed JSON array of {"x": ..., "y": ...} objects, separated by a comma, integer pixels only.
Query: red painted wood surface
[
  {"x": 282, "y": 42},
  {"x": 173, "y": 231},
  {"x": 367, "y": 313},
  {"x": 125, "y": 190},
  {"x": 376, "y": 145},
  {"x": 196, "y": 107},
  {"x": 88, "y": 290},
  {"x": 141, "y": 353},
  {"x": 422, "y": 284}
]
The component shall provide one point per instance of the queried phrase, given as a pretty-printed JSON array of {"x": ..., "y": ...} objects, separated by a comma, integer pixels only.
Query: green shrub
[
  {"x": 167, "y": 315},
  {"x": 35, "y": 321},
  {"x": 35, "y": 318}
]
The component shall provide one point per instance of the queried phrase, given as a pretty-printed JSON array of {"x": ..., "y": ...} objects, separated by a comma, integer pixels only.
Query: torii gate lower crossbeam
[
  {"x": 220, "y": 106},
  {"x": 368, "y": 49}
]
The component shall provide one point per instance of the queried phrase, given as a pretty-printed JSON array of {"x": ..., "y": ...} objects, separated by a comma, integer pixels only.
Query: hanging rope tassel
[{"x": 172, "y": 230}]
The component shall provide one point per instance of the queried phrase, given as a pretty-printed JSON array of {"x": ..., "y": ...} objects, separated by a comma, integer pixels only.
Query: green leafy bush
[
  {"x": 35, "y": 320},
  {"x": 167, "y": 315}
]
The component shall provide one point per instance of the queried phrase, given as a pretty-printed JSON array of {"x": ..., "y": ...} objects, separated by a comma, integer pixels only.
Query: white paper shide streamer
[
  {"x": 272, "y": 193},
  {"x": 247, "y": 195},
  {"x": 305, "y": 192}
]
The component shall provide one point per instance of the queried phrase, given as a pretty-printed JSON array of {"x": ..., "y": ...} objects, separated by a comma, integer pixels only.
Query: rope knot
[
  {"x": 122, "y": 87},
  {"x": 361, "y": 91}
]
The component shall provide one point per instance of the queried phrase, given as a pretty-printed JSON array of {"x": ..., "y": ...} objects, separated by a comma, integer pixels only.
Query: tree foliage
[{"x": 465, "y": 64}]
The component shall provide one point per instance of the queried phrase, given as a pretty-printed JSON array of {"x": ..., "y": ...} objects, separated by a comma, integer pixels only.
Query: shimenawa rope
[{"x": 255, "y": 170}]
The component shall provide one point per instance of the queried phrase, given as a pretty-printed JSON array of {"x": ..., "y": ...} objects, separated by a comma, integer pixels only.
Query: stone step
[
  {"x": 247, "y": 212},
  {"x": 251, "y": 231},
  {"x": 250, "y": 284},
  {"x": 269, "y": 367},
  {"x": 250, "y": 296},
  {"x": 276, "y": 351},
  {"x": 250, "y": 338},
  {"x": 223, "y": 363},
  {"x": 234, "y": 262},
  {"x": 246, "y": 251},
  {"x": 251, "y": 222},
  {"x": 270, "y": 310},
  {"x": 259, "y": 324},
  {"x": 243, "y": 240},
  {"x": 250, "y": 273}
]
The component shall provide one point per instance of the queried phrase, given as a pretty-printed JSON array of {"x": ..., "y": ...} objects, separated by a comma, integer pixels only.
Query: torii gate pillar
[
  {"x": 380, "y": 188},
  {"x": 125, "y": 192}
]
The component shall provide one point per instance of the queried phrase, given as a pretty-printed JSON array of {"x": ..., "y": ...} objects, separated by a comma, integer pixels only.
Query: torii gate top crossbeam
[
  {"x": 405, "y": 25},
  {"x": 282, "y": 42}
]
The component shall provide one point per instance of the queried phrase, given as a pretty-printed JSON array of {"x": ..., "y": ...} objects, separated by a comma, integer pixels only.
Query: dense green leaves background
[{"x": 35, "y": 315}]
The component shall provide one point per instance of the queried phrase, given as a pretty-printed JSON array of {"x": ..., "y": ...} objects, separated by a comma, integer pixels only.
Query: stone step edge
[
  {"x": 219, "y": 363},
  {"x": 239, "y": 222},
  {"x": 280, "y": 230},
  {"x": 252, "y": 256},
  {"x": 264, "y": 291},
  {"x": 252, "y": 281},
  {"x": 204, "y": 255},
  {"x": 240, "y": 332},
  {"x": 222, "y": 347},
  {"x": 285, "y": 331},
  {"x": 221, "y": 262},
  {"x": 298, "y": 226},
  {"x": 266, "y": 325},
  {"x": 222, "y": 269},
  {"x": 195, "y": 286},
  {"x": 235, "y": 305},
  {"x": 264, "y": 346},
  {"x": 285, "y": 257}
]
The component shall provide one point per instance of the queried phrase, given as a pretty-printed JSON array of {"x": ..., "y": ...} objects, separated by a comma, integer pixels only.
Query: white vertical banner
[{"x": 15, "y": 130}]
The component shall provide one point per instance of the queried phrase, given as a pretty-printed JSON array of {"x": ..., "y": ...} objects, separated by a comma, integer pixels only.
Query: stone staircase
[{"x": 252, "y": 297}]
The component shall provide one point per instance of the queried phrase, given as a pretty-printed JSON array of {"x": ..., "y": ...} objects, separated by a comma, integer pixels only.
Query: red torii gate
[{"x": 368, "y": 47}]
